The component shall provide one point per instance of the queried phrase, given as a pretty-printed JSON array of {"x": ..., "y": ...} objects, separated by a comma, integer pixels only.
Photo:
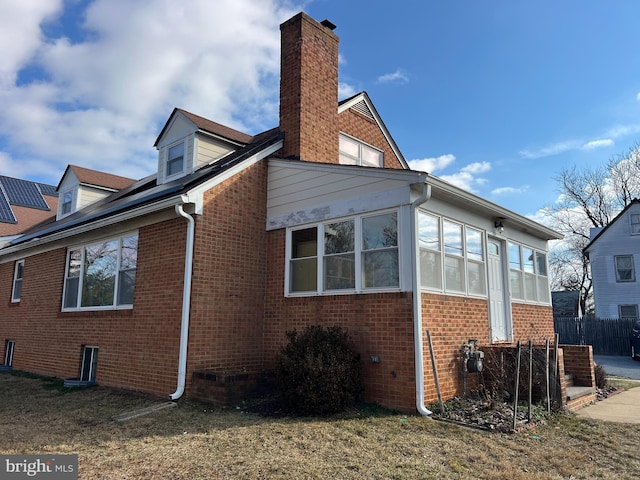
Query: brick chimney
[{"x": 309, "y": 89}]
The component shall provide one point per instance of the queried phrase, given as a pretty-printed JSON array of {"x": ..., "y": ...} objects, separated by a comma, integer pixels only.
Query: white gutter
[
  {"x": 417, "y": 300},
  {"x": 186, "y": 303}
]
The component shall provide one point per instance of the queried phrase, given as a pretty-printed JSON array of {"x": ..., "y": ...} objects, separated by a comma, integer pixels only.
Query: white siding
[
  {"x": 89, "y": 195},
  {"x": 616, "y": 240},
  {"x": 302, "y": 195},
  {"x": 210, "y": 150}
]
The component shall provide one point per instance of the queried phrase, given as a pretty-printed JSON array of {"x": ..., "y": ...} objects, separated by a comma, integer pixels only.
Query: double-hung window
[
  {"x": 635, "y": 223},
  {"x": 624, "y": 268},
  {"x": 628, "y": 311},
  {"x": 67, "y": 202},
  {"x": 349, "y": 255},
  {"x": 175, "y": 159},
  {"x": 101, "y": 275},
  {"x": 18, "y": 272},
  {"x": 355, "y": 152}
]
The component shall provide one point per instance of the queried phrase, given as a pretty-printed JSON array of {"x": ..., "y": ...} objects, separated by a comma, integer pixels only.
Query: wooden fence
[{"x": 607, "y": 336}]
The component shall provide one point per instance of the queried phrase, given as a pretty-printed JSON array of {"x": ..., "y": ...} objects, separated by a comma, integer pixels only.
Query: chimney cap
[{"x": 327, "y": 23}]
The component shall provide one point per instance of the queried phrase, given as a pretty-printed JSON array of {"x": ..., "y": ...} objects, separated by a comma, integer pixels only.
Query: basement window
[
  {"x": 8, "y": 353},
  {"x": 89, "y": 364}
]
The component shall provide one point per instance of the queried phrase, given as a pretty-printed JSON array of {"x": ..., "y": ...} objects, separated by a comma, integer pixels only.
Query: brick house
[{"x": 186, "y": 281}]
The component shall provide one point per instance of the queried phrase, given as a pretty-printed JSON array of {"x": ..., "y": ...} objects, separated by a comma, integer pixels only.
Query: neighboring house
[
  {"x": 566, "y": 303},
  {"x": 186, "y": 281},
  {"x": 614, "y": 256},
  {"x": 24, "y": 204}
]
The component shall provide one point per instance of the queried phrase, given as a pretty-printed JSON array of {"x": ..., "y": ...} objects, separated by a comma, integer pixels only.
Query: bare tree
[{"x": 589, "y": 198}]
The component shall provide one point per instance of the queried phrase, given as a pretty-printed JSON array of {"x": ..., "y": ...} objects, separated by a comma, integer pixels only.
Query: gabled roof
[
  {"x": 96, "y": 178},
  {"x": 146, "y": 195},
  {"x": 207, "y": 126},
  {"x": 585, "y": 250},
  {"x": 361, "y": 103}
]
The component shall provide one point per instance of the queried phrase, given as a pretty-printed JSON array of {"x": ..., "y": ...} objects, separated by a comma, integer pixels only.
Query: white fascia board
[
  {"x": 196, "y": 194},
  {"x": 447, "y": 190},
  {"x": 7, "y": 254}
]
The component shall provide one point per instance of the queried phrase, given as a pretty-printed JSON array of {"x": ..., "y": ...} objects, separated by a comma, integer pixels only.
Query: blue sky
[{"x": 496, "y": 97}]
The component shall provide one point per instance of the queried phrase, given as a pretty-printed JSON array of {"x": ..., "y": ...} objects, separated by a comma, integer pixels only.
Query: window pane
[
  {"x": 175, "y": 159},
  {"x": 517, "y": 289},
  {"x": 454, "y": 274},
  {"x": 543, "y": 289},
  {"x": 541, "y": 264},
  {"x": 381, "y": 269},
  {"x": 371, "y": 157},
  {"x": 67, "y": 200},
  {"x": 349, "y": 146},
  {"x": 530, "y": 287},
  {"x": 17, "y": 289},
  {"x": 428, "y": 231},
  {"x": 452, "y": 238},
  {"x": 126, "y": 286},
  {"x": 303, "y": 275},
  {"x": 339, "y": 272},
  {"x": 477, "y": 284},
  {"x": 624, "y": 268},
  {"x": 430, "y": 269},
  {"x": 380, "y": 231},
  {"x": 100, "y": 267},
  {"x": 71, "y": 292},
  {"x": 514, "y": 257},
  {"x": 339, "y": 237},
  {"x": 628, "y": 311},
  {"x": 474, "y": 244},
  {"x": 527, "y": 255},
  {"x": 129, "y": 253},
  {"x": 75, "y": 259},
  {"x": 635, "y": 223}
]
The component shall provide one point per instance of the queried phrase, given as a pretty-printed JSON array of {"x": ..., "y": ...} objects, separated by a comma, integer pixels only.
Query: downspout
[
  {"x": 417, "y": 303},
  {"x": 186, "y": 303}
]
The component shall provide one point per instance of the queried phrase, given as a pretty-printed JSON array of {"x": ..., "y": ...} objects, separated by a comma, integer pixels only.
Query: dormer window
[
  {"x": 67, "y": 202},
  {"x": 175, "y": 159},
  {"x": 355, "y": 152}
]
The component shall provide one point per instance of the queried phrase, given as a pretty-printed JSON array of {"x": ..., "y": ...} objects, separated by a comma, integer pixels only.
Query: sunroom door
[{"x": 499, "y": 313}]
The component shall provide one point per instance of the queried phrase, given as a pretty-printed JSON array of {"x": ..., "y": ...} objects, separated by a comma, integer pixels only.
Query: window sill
[
  {"x": 341, "y": 292},
  {"x": 120, "y": 312}
]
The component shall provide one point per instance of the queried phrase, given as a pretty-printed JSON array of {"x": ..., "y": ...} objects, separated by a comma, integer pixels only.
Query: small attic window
[
  {"x": 355, "y": 152},
  {"x": 175, "y": 159},
  {"x": 67, "y": 201}
]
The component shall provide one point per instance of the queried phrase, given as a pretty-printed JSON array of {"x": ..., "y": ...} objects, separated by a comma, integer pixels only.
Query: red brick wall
[
  {"x": 138, "y": 349},
  {"x": 225, "y": 331},
  {"x": 367, "y": 130},
  {"x": 532, "y": 322},
  {"x": 578, "y": 361},
  {"x": 309, "y": 90},
  {"x": 380, "y": 323}
]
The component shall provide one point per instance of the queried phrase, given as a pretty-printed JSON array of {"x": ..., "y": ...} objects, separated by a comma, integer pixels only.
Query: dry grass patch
[{"x": 195, "y": 441}]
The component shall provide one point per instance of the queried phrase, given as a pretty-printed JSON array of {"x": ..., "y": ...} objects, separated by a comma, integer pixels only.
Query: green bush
[{"x": 318, "y": 371}]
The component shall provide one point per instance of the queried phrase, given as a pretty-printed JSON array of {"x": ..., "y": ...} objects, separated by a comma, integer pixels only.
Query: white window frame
[
  {"x": 532, "y": 282},
  {"x": 9, "y": 347},
  {"x": 358, "y": 257},
  {"x": 168, "y": 160},
  {"x": 634, "y": 223},
  {"x": 81, "y": 277},
  {"x": 635, "y": 307},
  {"x": 90, "y": 357},
  {"x": 619, "y": 279},
  {"x": 18, "y": 278},
  {"x": 440, "y": 254},
  {"x": 362, "y": 147}
]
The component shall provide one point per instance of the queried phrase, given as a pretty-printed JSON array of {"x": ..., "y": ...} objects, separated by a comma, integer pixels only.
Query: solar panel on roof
[
  {"x": 6, "y": 215},
  {"x": 48, "y": 189},
  {"x": 23, "y": 193}
]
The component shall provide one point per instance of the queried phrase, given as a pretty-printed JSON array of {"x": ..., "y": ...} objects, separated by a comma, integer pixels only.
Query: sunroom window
[
  {"x": 101, "y": 275},
  {"x": 528, "y": 274},
  {"x": 355, "y": 152},
  {"x": 349, "y": 255}
]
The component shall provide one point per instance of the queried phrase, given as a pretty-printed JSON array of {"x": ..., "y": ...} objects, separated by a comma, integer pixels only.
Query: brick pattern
[
  {"x": 532, "y": 322},
  {"x": 309, "y": 90},
  {"x": 578, "y": 361}
]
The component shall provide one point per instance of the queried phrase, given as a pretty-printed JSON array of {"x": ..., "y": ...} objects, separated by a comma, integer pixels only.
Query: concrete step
[{"x": 577, "y": 392}]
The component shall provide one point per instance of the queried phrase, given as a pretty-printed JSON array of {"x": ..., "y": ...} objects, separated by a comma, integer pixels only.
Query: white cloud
[
  {"x": 550, "y": 150},
  {"x": 638, "y": 96},
  {"x": 432, "y": 164},
  {"x": 467, "y": 178},
  {"x": 592, "y": 145},
  {"x": 345, "y": 90},
  {"x": 104, "y": 97},
  {"x": 397, "y": 76},
  {"x": 509, "y": 190}
]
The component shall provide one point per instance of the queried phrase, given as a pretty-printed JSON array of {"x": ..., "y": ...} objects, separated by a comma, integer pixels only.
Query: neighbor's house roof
[
  {"x": 24, "y": 204},
  {"x": 146, "y": 195},
  {"x": 586, "y": 249}
]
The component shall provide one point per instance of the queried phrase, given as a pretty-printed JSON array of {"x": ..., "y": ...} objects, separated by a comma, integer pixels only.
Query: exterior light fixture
[{"x": 499, "y": 226}]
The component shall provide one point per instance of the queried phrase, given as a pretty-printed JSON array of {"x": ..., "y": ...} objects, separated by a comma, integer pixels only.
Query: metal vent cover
[{"x": 361, "y": 107}]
